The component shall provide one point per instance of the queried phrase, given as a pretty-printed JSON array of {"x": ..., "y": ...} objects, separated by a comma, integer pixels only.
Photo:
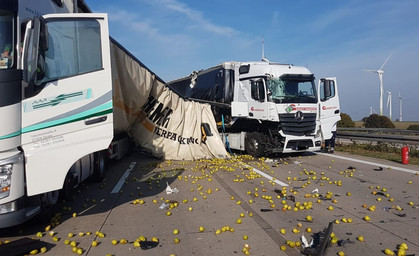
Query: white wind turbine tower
[
  {"x": 380, "y": 73},
  {"x": 400, "y": 100},
  {"x": 389, "y": 103}
]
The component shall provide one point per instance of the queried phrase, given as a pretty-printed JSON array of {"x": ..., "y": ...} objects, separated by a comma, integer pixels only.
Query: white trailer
[{"x": 264, "y": 107}]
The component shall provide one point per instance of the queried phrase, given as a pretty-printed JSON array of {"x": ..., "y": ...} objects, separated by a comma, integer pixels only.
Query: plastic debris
[
  {"x": 164, "y": 206},
  {"x": 315, "y": 191},
  {"x": 321, "y": 241},
  {"x": 170, "y": 190},
  {"x": 305, "y": 243}
]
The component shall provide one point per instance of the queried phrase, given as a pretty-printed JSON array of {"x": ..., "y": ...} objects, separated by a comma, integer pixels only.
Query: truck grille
[{"x": 292, "y": 125}]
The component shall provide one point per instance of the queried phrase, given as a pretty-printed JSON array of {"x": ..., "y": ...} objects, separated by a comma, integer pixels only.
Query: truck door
[
  {"x": 329, "y": 105},
  {"x": 67, "y": 106},
  {"x": 257, "y": 102}
]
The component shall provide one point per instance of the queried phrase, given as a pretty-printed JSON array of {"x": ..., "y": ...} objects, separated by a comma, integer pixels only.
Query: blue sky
[{"x": 331, "y": 38}]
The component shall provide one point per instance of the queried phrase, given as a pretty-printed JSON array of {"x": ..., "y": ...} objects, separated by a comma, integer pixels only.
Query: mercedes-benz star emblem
[{"x": 299, "y": 116}]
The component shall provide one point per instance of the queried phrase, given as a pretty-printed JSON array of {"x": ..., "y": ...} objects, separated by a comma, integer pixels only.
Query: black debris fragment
[{"x": 321, "y": 241}]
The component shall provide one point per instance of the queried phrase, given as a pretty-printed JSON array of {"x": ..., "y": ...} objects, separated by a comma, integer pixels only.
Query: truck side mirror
[{"x": 35, "y": 44}]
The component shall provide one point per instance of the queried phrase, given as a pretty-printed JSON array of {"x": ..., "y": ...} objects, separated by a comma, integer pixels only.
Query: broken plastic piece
[
  {"x": 321, "y": 241},
  {"x": 315, "y": 191},
  {"x": 164, "y": 206},
  {"x": 170, "y": 190},
  {"x": 148, "y": 245},
  {"x": 305, "y": 243}
]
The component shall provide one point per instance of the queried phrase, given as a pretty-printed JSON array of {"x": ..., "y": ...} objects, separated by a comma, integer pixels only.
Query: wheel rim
[{"x": 253, "y": 145}]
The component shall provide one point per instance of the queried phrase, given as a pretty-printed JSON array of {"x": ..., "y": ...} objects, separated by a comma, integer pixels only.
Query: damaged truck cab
[{"x": 264, "y": 107}]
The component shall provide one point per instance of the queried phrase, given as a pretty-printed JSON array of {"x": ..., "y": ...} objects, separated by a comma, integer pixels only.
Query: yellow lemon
[{"x": 388, "y": 252}]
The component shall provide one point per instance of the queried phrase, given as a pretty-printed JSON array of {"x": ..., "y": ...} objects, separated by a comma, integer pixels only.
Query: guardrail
[{"x": 395, "y": 136}]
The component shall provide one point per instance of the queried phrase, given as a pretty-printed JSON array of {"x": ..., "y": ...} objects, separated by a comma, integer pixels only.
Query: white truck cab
[{"x": 265, "y": 107}]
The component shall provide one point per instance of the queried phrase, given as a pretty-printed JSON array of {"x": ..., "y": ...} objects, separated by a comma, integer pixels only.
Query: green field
[{"x": 399, "y": 125}]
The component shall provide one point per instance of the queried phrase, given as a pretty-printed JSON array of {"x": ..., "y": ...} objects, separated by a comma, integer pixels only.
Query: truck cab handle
[{"x": 95, "y": 120}]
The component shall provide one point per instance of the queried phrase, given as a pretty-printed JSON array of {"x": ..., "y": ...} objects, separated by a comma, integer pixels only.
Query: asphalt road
[{"x": 238, "y": 203}]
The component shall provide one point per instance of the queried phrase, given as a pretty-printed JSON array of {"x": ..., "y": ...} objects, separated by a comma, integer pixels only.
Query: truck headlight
[
  {"x": 319, "y": 132},
  {"x": 5, "y": 179}
]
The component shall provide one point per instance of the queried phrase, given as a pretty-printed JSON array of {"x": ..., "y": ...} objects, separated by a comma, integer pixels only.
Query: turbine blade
[
  {"x": 385, "y": 62},
  {"x": 370, "y": 70}
]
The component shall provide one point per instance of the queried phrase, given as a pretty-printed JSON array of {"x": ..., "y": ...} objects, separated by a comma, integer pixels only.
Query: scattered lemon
[
  {"x": 283, "y": 231},
  {"x": 94, "y": 243},
  {"x": 404, "y": 246},
  {"x": 176, "y": 231},
  {"x": 176, "y": 240},
  {"x": 245, "y": 237},
  {"x": 309, "y": 218},
  {"x": 388, "y": 252},
  {"x": 114, "y": 241},
  {"x": 360, "y": 238},
  {"x": 201, "y": 229}
]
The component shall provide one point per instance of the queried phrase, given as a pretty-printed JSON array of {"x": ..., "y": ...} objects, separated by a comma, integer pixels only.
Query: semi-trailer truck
[
  {"x": 70, "y": 98},
  {"x": 264, "y": 107}
]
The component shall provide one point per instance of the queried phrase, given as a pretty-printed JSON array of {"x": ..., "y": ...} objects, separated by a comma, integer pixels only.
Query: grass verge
[{"x": 381, "y": 151}]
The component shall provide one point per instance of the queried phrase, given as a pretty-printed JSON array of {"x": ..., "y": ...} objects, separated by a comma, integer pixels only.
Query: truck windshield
[
  {"x": 292, "y": 89},
  {"x": 6, "y": 39}
]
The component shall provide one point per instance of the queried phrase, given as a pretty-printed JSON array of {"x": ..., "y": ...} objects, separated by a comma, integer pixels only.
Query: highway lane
[{"x": 222, "y": 194}]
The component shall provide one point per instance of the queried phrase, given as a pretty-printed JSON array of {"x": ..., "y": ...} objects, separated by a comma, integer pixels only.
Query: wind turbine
[
  {"x": 372, "y": 110},
  {"x": 389, "y": 102},
  {"x": 400, "y": 100},
  {"x": 380, "y": 73}
]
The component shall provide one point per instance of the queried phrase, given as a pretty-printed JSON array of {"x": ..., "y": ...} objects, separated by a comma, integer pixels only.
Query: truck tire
[
  {"x": 101, "y": 164},
  {"x": 48, "y": 203},
  {"x": 254, "y": 144}
]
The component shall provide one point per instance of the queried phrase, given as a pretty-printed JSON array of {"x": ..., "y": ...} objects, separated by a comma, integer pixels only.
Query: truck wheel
[
  {"x": 101, "y": 164},
  {"x": 48, "y": 205},
  {"x": 254, "y": 144}
]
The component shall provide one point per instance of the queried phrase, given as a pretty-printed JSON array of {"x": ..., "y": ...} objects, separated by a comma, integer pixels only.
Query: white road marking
[
  {"x": 368, "y": 162},
  {"x": 268, "y": 176},
  {"x": 121, "y": 181}
]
